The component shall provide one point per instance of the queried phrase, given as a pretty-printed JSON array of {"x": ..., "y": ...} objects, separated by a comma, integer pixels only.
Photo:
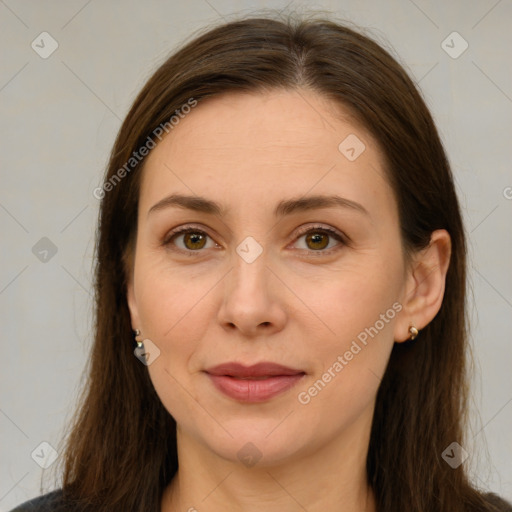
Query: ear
[
  {"x": 130, "y": 294},
  {"x": 425, "y": 284},
  {"x": 132, "y": 305}
]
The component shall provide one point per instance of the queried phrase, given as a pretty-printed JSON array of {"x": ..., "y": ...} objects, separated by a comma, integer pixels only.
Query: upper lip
[{"x": 262, "y": 369}]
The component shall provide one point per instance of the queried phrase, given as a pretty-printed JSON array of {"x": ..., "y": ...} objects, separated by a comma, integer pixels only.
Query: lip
[
  {"x": 263, "y": 369},
  {"x": 257, "y": 383}
]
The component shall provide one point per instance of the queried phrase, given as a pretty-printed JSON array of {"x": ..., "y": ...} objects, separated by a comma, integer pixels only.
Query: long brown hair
[{"x": 121, "y": 450}]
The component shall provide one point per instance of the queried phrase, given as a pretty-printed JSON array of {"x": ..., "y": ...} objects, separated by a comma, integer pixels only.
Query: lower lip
[{"x": 252, "y": 390}]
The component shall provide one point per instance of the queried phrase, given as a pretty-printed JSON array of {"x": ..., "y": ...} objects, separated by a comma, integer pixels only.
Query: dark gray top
[
  {"x": 43, "y": 503},
  {"x": 48, "y": 502}
]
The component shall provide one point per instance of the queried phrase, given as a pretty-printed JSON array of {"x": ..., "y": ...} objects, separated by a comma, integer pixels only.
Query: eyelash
[{"x": 310, "y": 229}]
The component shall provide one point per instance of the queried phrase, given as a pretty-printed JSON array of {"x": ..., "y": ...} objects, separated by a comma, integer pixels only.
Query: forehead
[
  {"x": 280, "y": 143},
  {"x": 276, "y": 121}
]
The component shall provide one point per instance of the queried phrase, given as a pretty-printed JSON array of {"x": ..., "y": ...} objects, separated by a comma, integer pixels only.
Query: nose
[{"x": 252, "y": 298}]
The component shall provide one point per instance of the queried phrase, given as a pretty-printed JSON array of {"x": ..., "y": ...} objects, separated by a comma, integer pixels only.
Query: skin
[{"x": 295, "y": 305}]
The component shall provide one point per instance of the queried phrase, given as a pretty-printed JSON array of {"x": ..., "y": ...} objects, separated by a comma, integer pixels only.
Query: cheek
[
  {"x": 349, "y": 370},
  {"x": 353, "y": 298},
  {"x": 168, "y": 297},
  {"x": 359, "y": 308},
  {"x": 169, "y": 308}
]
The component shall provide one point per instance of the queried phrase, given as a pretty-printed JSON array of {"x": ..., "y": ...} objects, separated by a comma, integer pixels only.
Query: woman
[{"x": 280, "y": 289}]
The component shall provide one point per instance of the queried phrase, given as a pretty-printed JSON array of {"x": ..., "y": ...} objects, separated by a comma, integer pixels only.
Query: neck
[{"x": 332, "y": 478}]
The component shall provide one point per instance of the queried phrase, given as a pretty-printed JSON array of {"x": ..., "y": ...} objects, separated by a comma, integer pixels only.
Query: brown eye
[
  {"x": 188, "y": 239},
  {"x": 191, "y": 240},
  {"x": 194, "y": 240},
  {"x": 318, "y": 240}
]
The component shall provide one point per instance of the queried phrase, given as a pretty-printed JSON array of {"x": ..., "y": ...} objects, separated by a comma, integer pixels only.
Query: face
[{"x": 314, "y": 287}]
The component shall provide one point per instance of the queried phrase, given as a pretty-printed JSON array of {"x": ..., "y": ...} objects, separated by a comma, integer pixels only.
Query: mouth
[{"x": 256, "y": 383}]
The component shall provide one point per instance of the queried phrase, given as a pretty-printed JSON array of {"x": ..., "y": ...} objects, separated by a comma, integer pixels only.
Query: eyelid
[
  {"x": 315, "y": 226},
  {"x": 302, "y": 230},
  {"x": 184, "y": 229},
  {"x": 332, "y": 232}
]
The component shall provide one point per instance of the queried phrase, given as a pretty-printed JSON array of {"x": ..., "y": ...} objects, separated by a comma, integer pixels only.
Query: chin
[{"x": 261, "y": 443}]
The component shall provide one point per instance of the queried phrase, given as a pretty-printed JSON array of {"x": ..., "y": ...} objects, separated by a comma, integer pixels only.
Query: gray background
[{"x": 59, "y": 118}]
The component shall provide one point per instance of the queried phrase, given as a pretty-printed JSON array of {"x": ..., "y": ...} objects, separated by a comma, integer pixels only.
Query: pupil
[
  {"x": 316, "y": 238},
  {"x": 195, "y": 238}
]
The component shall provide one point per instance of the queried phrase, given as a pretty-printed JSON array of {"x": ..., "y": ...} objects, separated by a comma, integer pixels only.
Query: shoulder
[
  {"x": 45, "y": 503},
  {"x": 499, "y": 503}
]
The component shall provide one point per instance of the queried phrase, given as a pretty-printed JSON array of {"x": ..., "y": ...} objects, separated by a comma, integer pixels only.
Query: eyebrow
[{"x": 283, "y": 208}]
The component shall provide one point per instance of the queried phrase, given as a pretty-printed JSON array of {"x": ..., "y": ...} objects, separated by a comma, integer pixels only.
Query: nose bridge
[
  {"x": 251, "y": 232},
  {"x": 249, "y": 293},
  {"x": 250, "y": 260}
]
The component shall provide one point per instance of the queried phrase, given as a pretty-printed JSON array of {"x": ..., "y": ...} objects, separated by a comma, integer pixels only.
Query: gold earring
[
  {"x": 413, "y": 331},
  {"x": 137, "y": 333}
]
